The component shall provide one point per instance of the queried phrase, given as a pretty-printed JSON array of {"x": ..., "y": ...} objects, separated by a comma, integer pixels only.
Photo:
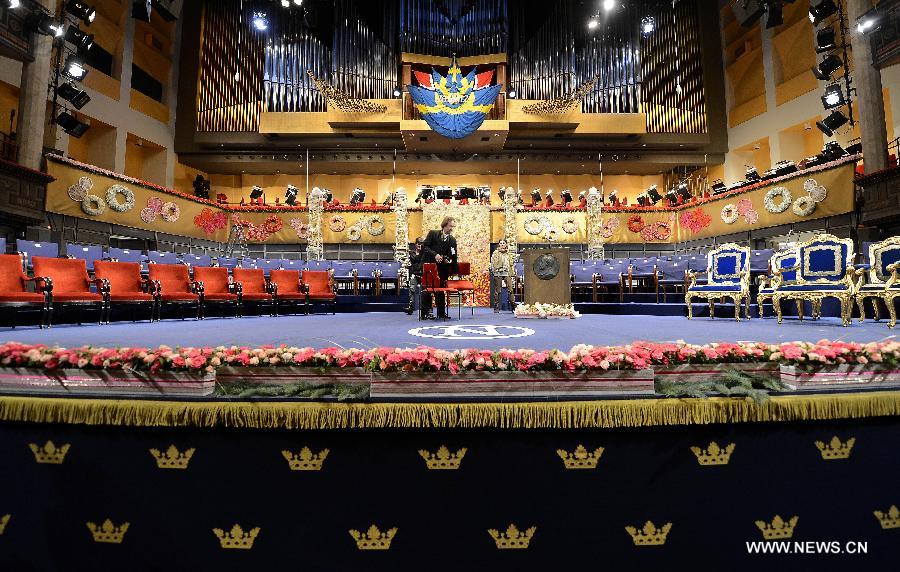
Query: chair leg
[
  {"x": 800, "y": 308},
  {"x": 776, "y": 305},
  {"x": 737, "y": 307},
  {"x": 712, "y": 308},
  {"x": 690, "y": 308},
  {"x": 892, "y": 312}
]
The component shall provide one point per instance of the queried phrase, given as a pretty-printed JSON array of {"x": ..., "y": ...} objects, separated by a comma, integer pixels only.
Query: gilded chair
[
  {"x": 728, "y": 276},
  {"x": 824, "y": 270},
  {"x": 882, "y": 278},
  {"x": 780, "y": 260}
]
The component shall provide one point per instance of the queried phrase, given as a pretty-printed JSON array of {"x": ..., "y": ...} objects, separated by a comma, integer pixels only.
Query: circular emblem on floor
[
  {"x": 546, "y": 267},
  {"x": 471, "y": 332}
]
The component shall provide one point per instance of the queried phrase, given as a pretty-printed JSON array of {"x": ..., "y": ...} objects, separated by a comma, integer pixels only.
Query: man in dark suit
[{"x": 440, "y": 247}]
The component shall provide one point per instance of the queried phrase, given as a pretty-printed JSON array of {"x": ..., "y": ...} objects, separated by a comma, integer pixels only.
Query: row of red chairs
[{"x": 64, "y": 281}]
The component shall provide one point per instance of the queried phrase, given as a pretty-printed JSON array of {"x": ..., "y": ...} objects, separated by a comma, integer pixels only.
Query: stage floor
[{"x": 485, "y": 330}]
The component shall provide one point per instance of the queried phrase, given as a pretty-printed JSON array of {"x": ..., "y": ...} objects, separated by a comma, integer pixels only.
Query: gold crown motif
[
  {"x": 834, "y": 449},
  {"x": 713, "y": 455},
  {"x": 171, "y": 458},
  {"x": 512, "y": 538},
  {"x": 778, "y": 529},
  {"x": 443, "y": 459},
  {"x": 236, "y": 538},
  {"x": 373, "y": 539},
  {"x": 49, "y": 453},
  {"x": 108, "y": 532},
  {"x": 649, "y": 534},
  {"x": 4, "y": 520},
  {"x": 305, "y": 460},
  {"x": 890, "y": 519},
  {"x": 580, "y": 458}
]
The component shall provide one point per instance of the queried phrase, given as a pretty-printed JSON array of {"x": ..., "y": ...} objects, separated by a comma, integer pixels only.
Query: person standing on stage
[
  {"x": 415, "y": 277},
  {"x": 439, "y": 246},
  {"x": 501, "y": 272}
]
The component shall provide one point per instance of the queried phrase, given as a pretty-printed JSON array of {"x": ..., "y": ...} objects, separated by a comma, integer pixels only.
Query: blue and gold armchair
[
  {"x": 781, "y": 260},
  {"x": 883, "y": 278},
  {"x": 824, "y": 269},
  {"x": 728, "y": 273}
]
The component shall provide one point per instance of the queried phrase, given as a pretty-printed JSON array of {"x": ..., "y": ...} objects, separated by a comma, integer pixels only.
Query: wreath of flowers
[
  {"x": 570, "y": 226},
  {"x": 780, "y": 207},
  {"x": 730, "y": 213},
  {"x": 354, "y": 233},
  {"x": 636, "y": 223},
  {"x": 272, "y": 224},
  {"x": 209, "y": 221},
  {"x": 804, "y": 206},
  {"x": 744, "y": 206},
  {"x": 149, "y": 215},
  {"x": 534, "y": 224},
  {"x": 751, "y": 217},
  {"x": 336, "y": 223},
  {"x": 609, "y": 227},
  {"x": 170, "y": 212},
  {"x": 301, "y": 228},
  {"x": 696, "y": 220},
  {"x": 552, "y": 234},
  {"x": 112, "y": 198},
  {"x": 93, "y": 205},
  {"x": 817, "y": 192},
  {"x": 79, "y": 190},
  {"x": 375, "y": 226}
]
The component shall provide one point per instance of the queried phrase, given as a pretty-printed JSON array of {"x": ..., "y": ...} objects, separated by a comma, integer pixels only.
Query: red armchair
[
  {"x": 126, "y": 285},
  {"x": 287, "y": 289},
  {"x": 214, "y": 286},
  {"x": 463, "y": 285},
  {"x": 13, "y": 293},
  {"x": 173, "y": 286},
  {"x": 65, "y": 282},
  {"x": 319, "y": 287},
  {"x": 254, "y": 287}
]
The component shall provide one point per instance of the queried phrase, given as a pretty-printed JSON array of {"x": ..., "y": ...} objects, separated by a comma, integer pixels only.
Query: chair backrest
[
  {"x": 319, "y": 281},
  {"x": 125, "y": 255},
  {"x": 519, "y": 268},
  {"x": 31, "y": 249},
  {"x": 197, "y": 259},
  {"x": 68, "y": 275},
  {"x": 824, "y": 259},
  {"x": 157, "y": 257},
  {"x": 759, "y": 260},
  {"x": 365, "y": 270},
  {"x": 2, "y": 245},
  {"x": 463, "y": 268},
  {"x": 215, "y": 279},
  {"x": 87, "y": 252},
  {"x": 264, "y": 264},
  {"x": 430, "y": 276},
  {"x": 671, "y": 268},
  {"x": 173, "y": 278},
  {"x": 12, "y": 279},
  {"x": 252, "y": 280},
  {"x": 784, "y": 259},
  {"x": 318, "y": 265},
  {"x": 643, "y": 266},
  {"x": 343, "y": 269},
  {"x": 288, "y": 281},
  {"x": 881, "y": 255},
  {"x": 290, "y": 264},
  {"x": 729, "y": 264},
  {"x": 389, "y": 270},
  {"x": 697, "y": 262},
  {"x": 122, "y": 276},
  {"x": 227, "y": 261},
  {"x": 613, "y": 267},
  {"x": 583, "y": 272}
]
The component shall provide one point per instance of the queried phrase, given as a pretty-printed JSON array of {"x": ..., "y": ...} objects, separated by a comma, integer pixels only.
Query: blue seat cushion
[
  {"x": 879, "y": 287},
  {"x": 766, "y": 291},
  {"x": 813, "y": 288},
  {"x": 716, "y": 288}
]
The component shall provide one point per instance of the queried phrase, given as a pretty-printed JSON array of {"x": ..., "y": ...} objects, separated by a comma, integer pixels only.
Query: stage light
[
  {"x": 593, "y": 23},
  {"x": 868, "y": 22},
  {"x": 81, "y": 40},
  {"x": 818, "y": 11},
  {"x": 397, "y": 91},
  {"x": 74, "y": 69},
  {"x": 832, "y": 123},
  {"x": 653, "y": 194},
  {"x": 71, "y": 125},
  {"x": 141, "y": 10},
  {"x": 298, "y": 2},
  {"x": 511, "y": 94},
  {"x": 47, "y": 26},
  {"x": 825, "y": 40},
  {"x": 648, "y": 25},
  {"x": 684, "y": 190},
  {"x": 82, "y": 11},
  {"x": 751, "y": 174},
  {"x": 329, "y": 196},
  {"x": 12, "y": 4},
  {"x": 201, "y": 187},
  {"x": 290, "y": 195},
  {"x": 566, "y": 196},
  {"x": 719, "y": 187},
  {"x": 285, "y": 3},
  {"x": 256, "y": 192},
  {"x": 535, "y": 196},
  {"x": 833, "y": 96},
  {"x": 855, "y": 149},
  {"x": 260, "y": 21},
  {"x": 357, "y": 196},
  {"x": 776, "y": 14},
  {"x": 829, "y": 64},
  {"x": 833, "y": 150},
  {"x": 614, "y": 197},
  {"x": 608, "y": 5},
  {"x": 77, "y": 97}
]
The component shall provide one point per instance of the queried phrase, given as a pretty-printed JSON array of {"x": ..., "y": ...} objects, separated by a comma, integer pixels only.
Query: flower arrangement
[
  {"x": 730, "y": 213},
  {"x": 112, "y": 198},
  {"x": 337, "y": 223},
  {"x": 804, "y": 206},
  {"x": 695, "y": 220},
  {"x": 301, "y": 228},
  {"x": 92, "y": 205},
  {"x": 170, "y": 212},
  {"x": 540, "y": 310},
  {"x": 609, "y": 227},
  {"x": 777, "y": 200},
  {"x": 635, "y": 223},
  {"x": 638, "y": 355},
  {"x": 211, "y": 221},
  {"x": 570, "y": 226},
  {"x": 259, "y": 232},
  {"x": 79, "y": 190}
]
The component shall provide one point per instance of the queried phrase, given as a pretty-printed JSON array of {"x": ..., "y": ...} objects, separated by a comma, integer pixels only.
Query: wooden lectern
[{"x": 547, "y": 279}]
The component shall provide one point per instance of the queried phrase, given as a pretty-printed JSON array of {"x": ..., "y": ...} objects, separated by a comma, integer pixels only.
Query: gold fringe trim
[{"x": 531, "y": 415}]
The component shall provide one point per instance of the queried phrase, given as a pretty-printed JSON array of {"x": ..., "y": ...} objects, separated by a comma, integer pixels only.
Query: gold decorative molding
[
  {"x": 236, "y": 538},
  {"x": 49, "y": 454},
  {"x": 649, "y": 534},
  {"x": 172, "y": 458},
  {"x": 580, "y": 458},
  {"x": 890, "y": 519},
  {"x": 108, "y": 532},
  {"x": 512, "y": 538},
  {"x": 835, "y": 449},
  {"x": 713, "y": 455},
  {"x": 563, "y": 104},
  {"x": 443, "y": 459},
  {"x": 4, "y": 520},
  {"x": 778, "y": 529},
  {"x": 373, "y": 538},
  {"x": 342, "y": 101},
  {"x": 305, "y": 460}
]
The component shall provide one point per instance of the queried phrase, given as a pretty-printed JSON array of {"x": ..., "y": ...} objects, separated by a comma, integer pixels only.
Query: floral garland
[
  {"x": 112, "y": 198},
  {"x": 376, "y": 226},
  {"x": 804, "y": 206},
  {"x": 259, "y": 232},
  {"x": 696, "y": 220},
  {"x": 635, "y": 223},
  {"x": 170, "y": 212},
  {"x": 570, "y": 226},
  {"x": 273, "y": 224},
  {"x": 93, "y": 205},
  {"x": 301, "y": 228},
  {"x": 815, "y": 190},
  {"x": 658, "y": 230},
  {"x": 534, "y": 224},
  {"x": 544, "y": 311},
  {"x": 608, "y": 229},
  {"x": 79, "y": 190},
  {"x": 779, "y": 207},
  {"x": 337, "y": 223},
  {"x": 730, "y": 213},
  {"x": 211, "y": 221}
]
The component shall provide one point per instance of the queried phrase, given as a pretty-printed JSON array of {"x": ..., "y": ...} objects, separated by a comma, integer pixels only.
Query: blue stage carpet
[{"x": 392, "y": 329}]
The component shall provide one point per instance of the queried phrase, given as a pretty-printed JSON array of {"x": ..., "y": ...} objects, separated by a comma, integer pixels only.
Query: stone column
[
  {"x": 869, "y": 94},
  {"x": 32, "y": 119}
]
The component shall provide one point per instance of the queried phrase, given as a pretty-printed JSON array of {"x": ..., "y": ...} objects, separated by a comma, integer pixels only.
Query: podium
[{"x": 547, "y": 279}]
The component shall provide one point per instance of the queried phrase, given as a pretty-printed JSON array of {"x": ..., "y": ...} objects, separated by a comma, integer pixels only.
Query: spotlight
[
  {"x": 831, "y": 123},
  {"x": 201, "y": 187},
  {"x": 719, "y": 187},
  {"x": 818, "y": 11},
  {"x": 833, "y": 96},
  {"x": 829, "y": 64},
  {"x": 609, "y": 5},
  {"x": 74, "y": 69},
  {"x": 593, "y": 23},
  {"x": 285, "y": 3},
  {"x": 833, "y": 150},
  {"x": 855, "y": 149},
  {"x": 751, "y": 174},
  {"x": 260, "y": 21},
  {"x": 614, "y": 197},
  {"x": 256, "y": 192},
  {"x": 82, "y": 11},
  {"x": 298, "y": 2},
  {"x": 141, "y": 10},
  {"x": 46, "y": 25},
  {"x": 290, "y": 195},
  {"x": 77, "y": 97},
  {"x": 397, "y": 91},
  {"x": 825, "y": 40},
  {"x": 511, "y": 94},
  {"x": 535, "y": 197},
  {"x": 12, "y": 4},
  {"x": 868, "y": 22},
  {"x": 648, "y": 25},
  {"x": 329, "y": 196},
  {"x": 776, "y": 14},
  {"x": 81, "y": 40},
  {"x": 684, "y": 190},
  {"x": 566, "y": 196},
  {"x": 747, "y": 12},
  {"x": 653, "y": 194},
  {"x": 357, "y": 197},
  {"x": 71, "y": 125}
]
